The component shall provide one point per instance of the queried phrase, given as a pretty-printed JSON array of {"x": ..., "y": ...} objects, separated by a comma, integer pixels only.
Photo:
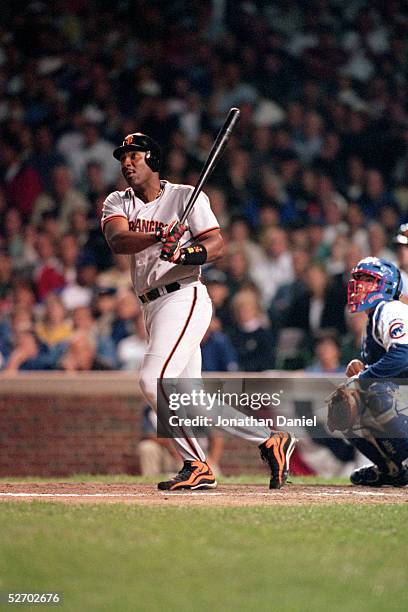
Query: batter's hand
[
  {"x": 354, "y": 367},
  {"x": 162, "y": 233},
  {"x": 171, "y": 248}
]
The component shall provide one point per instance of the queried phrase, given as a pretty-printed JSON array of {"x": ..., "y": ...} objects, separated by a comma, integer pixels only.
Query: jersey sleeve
[
  {"x": 390, "y": 329},
  {"x": 112, "y": 207},
  {"x": 392, "y": 325},
  {"x": 202, "y": 218}
]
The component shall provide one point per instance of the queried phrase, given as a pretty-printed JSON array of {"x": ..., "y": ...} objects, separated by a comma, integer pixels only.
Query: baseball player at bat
[
  {"x": 165, "y": 258},
  {"x": 367, "y": 409}
]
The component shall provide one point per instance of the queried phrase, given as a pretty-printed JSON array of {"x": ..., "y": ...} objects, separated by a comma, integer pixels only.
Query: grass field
[{"x": 124, "y": 557}]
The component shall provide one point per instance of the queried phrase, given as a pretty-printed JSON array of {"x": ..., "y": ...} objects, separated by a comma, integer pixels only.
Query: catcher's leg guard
[
  {"x": 387, "y": 425},
  {"x": 370, "y": 448}
]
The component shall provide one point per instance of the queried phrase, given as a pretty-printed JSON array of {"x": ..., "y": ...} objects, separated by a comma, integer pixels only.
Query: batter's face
[{"x": 134, "y": 169}]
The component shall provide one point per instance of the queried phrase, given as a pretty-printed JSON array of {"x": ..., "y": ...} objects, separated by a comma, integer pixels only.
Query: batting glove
[{"x": 171, "y": 249}]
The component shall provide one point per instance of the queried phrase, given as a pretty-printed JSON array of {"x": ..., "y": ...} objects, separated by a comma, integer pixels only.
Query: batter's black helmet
[
  {"x": 141, "y": 142},
  {"x": 402, "y": 236}
]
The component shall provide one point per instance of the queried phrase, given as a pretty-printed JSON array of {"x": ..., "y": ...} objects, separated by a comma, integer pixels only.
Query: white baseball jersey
[{"x": 148, "y": 271}]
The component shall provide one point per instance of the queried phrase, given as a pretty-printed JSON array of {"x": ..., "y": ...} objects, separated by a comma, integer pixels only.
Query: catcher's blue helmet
[{"x": 373, "y": 280}]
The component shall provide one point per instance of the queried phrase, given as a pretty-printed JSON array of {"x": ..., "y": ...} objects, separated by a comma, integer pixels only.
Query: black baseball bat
[{"x": 217, "y": 150}]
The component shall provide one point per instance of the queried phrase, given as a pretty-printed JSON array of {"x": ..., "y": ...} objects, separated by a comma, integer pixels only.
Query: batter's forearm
[
  {"x": 126, "y": 243},
  {"x": 214, "y": 246}
]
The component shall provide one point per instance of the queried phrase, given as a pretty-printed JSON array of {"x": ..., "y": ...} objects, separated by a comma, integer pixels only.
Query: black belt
[{"x": 156, "y": 293}]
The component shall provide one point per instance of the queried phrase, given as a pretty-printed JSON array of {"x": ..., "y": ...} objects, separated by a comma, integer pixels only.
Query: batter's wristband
[{"x": 193, "y": 255}]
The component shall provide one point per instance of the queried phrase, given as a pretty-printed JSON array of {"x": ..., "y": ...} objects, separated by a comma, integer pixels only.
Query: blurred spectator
[
  {"x": 81, "y": 291},
  {"x": 250, "y": 335},
  {"x": 377, "y": 240},
  {"x": 94, "y": 184},
  {"x": 21, "y": 320},
  {"x": 93, "y": 148},
  {"x": 104, "y": 305},
  {"x": 47, "y": 275},
  {"x": 240, "y": 234},
  {"x": 14, "y": 238},
  {"x": 21, "y": 180},
  {"x": 318, "y": 308},
  {"x": 62, "y": 200},
  {"x": 54, "y": 327},
  {"x": 90, "y": 239},
  {"x": 275, "y": 268},
  {"x": 357, "y": 230},
  {"x": 69, "y": 252},
  {"x": 5, "y": 279},
  {"x": 355, "y": 178},
  {"x": 333, "y": 221},
  {"x": 326, "y": 356},
  {"x": 335, "y": 263},
  {"x": 375, "y": 194},
  {"x": 132, "y": 348},
  {"x": 218, "y": 354},
  {"x": 118, "y": 275},
  {"x": 21, "y": 349},
  {"x": 105, "y": 352},
  {"x": 81, "y": 354},
  {"x": 309, "y": 142},
  {"x": 45, "y": 157},
  {"x": 219, "y": 205},
  {"x": 237, "y": 267},
  {"x": 24, "y": 354},
  {"x": 290, "y": 293},
  {"x": 216, "y": 282},
  {"x": 127, "y": 310}
]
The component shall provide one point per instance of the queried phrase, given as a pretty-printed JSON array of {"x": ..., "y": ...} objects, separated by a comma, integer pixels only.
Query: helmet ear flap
[{"x": 152, "y": 161}]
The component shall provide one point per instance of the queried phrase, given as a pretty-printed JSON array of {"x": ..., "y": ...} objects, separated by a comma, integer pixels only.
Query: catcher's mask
[
  {"x": 141, "y": 142},
  {"x": 373, "y": 281}
]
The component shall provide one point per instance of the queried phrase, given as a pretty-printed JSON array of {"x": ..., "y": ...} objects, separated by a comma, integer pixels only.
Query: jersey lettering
[{"x": 151, "y": 224}]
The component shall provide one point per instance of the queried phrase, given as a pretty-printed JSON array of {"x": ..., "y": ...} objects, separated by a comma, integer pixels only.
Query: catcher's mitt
[{"x": 344, "y": 406}]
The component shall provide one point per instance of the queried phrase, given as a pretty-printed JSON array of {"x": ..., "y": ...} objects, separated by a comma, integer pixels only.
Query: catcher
[{"x": 366, "y": 408}]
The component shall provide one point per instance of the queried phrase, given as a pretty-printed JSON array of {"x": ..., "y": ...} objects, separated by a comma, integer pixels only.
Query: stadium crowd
[{"x": 314, "y": 178}]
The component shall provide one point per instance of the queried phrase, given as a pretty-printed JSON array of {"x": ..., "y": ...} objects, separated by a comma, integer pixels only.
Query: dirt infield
[{"x": 224, "y": 495}]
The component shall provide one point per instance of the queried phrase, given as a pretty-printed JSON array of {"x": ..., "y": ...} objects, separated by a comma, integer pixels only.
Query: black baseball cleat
[
  {"x": 371, "y": 476},
  {"x": 276, "y": 452},
  {"x": 193, "y": 475}
]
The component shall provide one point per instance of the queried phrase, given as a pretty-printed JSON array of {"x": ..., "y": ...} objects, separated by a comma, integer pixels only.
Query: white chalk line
[
  {"x": 186, "y": 494},
  {"x": 97, "y": 494}
]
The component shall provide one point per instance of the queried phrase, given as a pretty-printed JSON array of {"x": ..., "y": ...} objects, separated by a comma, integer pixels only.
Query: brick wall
[{"x": 60, "y": 435}]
